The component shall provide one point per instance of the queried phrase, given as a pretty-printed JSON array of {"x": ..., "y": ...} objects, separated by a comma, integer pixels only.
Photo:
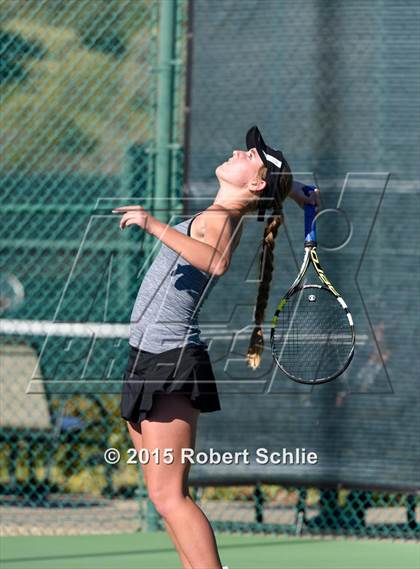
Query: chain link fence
[
  {"x": 83, "y": 129},
  {"x": 320, "y": 80},
  {"x": 79, "y": 84}
]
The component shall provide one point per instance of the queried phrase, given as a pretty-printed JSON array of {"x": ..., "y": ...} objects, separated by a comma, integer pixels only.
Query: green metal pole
[
  {"x": 167, "y": 31},
  {"x": 165, "y": 103}
]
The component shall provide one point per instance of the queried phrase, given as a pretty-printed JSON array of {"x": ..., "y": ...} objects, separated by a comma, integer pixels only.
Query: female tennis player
[{"x": 169, "y": 378}]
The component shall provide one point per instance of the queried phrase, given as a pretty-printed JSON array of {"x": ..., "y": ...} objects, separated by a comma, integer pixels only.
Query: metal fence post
[{"x": 167, "y": 35}]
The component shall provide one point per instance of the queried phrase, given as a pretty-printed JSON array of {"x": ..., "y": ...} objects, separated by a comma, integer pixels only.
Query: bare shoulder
[{"x": 217, "y": 224}]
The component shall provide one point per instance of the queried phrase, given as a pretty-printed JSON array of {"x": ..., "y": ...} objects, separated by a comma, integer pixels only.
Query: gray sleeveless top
[{"x": 165, "y": 313}]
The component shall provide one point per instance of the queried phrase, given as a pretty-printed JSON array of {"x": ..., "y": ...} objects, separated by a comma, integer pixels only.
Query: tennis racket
[{"x": 312, "y": 332}]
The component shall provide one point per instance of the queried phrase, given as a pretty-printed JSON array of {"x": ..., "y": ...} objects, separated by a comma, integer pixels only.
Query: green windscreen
[{"x": 335, "y": 86}]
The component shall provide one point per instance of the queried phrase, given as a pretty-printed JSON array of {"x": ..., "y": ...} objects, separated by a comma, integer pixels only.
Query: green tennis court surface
[{"x": 155, "y": 550}]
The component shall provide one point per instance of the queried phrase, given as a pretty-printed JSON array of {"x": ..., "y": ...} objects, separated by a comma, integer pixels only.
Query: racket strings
[{"x": 313, "y": 338}]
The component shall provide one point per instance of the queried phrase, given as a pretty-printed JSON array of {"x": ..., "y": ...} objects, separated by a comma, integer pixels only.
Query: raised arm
[{"x": 211, "y": 254}]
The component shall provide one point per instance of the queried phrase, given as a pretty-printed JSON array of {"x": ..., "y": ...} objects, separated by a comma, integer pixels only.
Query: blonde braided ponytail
[{"x": 256, "y": 344}]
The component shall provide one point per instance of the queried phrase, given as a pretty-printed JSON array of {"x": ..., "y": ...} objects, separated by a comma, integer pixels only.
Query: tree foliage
[{"x": 75, "y": 82}]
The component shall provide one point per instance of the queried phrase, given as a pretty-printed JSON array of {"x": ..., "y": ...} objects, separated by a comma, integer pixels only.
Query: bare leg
[
  {"x": 136, "y": 437},
  {"x": 172, "y": 424}
]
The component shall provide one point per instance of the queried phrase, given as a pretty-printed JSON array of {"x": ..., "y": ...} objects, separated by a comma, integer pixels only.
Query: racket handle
[{"x": 310, "y": 226}]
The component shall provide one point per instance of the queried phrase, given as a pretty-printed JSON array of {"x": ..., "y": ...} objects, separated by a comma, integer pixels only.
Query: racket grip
[{"x": 310, "y": 226}]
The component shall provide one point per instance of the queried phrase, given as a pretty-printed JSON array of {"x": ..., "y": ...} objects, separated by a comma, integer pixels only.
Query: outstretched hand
[{"x": 132, "y": 215}]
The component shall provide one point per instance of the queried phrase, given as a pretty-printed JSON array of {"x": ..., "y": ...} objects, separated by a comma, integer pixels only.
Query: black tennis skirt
[{"x": 185, "y": 370}]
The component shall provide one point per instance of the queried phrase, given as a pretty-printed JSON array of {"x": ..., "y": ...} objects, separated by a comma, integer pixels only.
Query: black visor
[{"x": 273, "y": 160}]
